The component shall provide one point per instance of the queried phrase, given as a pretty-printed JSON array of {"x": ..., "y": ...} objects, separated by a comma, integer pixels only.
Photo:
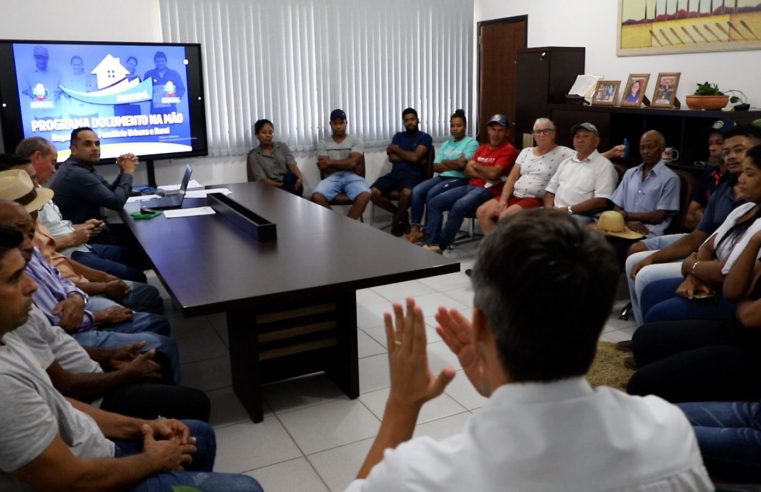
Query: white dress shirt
[
  {"x": 578, "y": 181},
  {"x": 548, "y": 437}
]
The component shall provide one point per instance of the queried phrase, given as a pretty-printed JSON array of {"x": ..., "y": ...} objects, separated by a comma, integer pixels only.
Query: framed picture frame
[
  {"x": 664, "y": 94},
  {"x": 606, "y": 93},
  {"x": 634, "y": 91},
  {"x": 649, "y": 27}
]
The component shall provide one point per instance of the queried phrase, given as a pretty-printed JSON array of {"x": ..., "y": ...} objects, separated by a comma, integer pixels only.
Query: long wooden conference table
[{"x": 290, "y": 301}]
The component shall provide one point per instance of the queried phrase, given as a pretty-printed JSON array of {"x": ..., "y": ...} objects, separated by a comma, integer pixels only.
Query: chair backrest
[
  {"x": 687, "y": 185},
  {"x": 430, "y": 157},
  {"x": 620, "y": 169},
  {"x": 360, "y": 169},
  {"x": 249, "y": 172}
]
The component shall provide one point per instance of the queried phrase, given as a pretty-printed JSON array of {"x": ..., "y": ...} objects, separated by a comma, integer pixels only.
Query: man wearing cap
[
  {"x": 408, "y": 154},
  {"x": 584, "y": 183},
  {"x": 72, "y": 240},
  {"x": 489, "y": 164},
  {"x": 714, "y": 175},
  {"x": 648, "y": 195},
  {"x": 338, "y": 158}
]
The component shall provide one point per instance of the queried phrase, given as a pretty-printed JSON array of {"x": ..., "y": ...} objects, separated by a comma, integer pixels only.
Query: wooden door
[{"x": 498, "y": 43}]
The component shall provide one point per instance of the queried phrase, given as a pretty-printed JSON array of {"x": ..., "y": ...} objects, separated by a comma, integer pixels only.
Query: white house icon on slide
[{"x": 109, "y": 71}]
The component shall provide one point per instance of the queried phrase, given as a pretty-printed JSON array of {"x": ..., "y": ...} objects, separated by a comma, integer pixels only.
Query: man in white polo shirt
[
  {"x": 543, "y": 287},
  {"x": 584, "y": 183}
]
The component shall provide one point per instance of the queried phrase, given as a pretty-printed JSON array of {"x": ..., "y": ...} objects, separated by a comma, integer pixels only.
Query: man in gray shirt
[{"x": 339, "y": 158}]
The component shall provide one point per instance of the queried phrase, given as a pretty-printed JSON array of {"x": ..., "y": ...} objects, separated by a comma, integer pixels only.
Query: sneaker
[
  {"x": 432, "y": 247},
  {"x": 416, "y": 235}
]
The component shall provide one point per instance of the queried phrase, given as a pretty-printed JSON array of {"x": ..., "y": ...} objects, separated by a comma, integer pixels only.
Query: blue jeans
[
  {"x": 114, "y": 340},
  {"x": 646, "y": 276},
  {"x": 428, "y": 189},
  {"x": 107, "y": 258},
  {"x": 659, "y": 302},
  {"x": 140, "y": 322},
  {"x": 198, "y": 474},
  {"x": 459, "y": 202},
  {"x": 729, "y": 436}
]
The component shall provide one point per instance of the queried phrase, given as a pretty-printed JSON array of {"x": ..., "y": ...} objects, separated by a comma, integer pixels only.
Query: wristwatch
[{"x": 570, "y": 210}]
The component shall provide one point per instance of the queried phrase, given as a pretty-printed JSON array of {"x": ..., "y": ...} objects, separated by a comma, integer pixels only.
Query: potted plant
[{"x": 708, "y": 97}]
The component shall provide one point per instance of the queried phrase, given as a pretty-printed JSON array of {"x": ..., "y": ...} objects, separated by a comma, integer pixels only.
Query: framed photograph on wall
[
  {"x": 606, "y": 93},
  {"x": 634, "y": 91},
  {"x": 666, "y": 85}
]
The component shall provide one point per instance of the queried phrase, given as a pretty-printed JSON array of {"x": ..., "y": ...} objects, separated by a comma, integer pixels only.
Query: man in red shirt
[{"x": 490, "y": 162}]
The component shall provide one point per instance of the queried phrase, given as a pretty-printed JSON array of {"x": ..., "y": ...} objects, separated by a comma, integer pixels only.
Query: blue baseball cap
[
  {"x": 337, "y": 114},
  {"x": 499, "y": 119}
]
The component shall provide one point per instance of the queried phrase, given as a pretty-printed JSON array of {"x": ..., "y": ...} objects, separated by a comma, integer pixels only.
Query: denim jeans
[
  {"x": 659, "y": 302},
  {"x": 110, "y": 259},
  {"x": 650, "y": 273},
  {"x": 198, "y": 474},
  {"x": 459, "y": 202},
  {"x": 428, "y": 189},
  {"x": 140, "y": 322},
  {"x": 729, "y": 436},
  {"x": 113, "y": 340}
]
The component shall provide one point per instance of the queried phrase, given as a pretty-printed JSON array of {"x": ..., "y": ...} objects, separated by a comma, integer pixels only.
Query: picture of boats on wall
[{"x": 651, "y": 27}]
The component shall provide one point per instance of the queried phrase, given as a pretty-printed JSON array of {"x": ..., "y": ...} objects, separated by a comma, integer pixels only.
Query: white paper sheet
[
  {"x": 203, "y": 193},
  {"x": 188, "y": 212}
]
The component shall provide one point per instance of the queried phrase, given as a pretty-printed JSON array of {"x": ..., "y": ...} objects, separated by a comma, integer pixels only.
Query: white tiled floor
[{"x": 313, "y": 438}]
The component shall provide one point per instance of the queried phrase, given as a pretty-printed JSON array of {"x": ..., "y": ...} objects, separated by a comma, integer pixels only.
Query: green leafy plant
[{"x": 709, "y": 89}]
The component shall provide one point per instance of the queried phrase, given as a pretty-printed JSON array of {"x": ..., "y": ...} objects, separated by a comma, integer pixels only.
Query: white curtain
[{"x": 293, "y": 61}]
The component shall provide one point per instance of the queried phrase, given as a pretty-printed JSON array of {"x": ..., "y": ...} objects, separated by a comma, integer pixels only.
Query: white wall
[{"x": 592, "y": 24}]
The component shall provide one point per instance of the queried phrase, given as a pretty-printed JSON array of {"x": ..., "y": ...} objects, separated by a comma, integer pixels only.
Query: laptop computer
[{"x": 172, "y": 201}]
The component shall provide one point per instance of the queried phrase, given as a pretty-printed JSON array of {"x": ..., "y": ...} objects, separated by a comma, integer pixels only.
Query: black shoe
[
  {"x": 624, "y": 346},
  {"x": 396, "y": 229}
]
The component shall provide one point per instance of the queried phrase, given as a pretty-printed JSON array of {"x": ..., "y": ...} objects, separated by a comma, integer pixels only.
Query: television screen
[{"x": 146, "y": 99}]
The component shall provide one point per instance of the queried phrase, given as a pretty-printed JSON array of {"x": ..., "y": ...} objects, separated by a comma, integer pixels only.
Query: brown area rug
[{"x": 608, "y": 368}]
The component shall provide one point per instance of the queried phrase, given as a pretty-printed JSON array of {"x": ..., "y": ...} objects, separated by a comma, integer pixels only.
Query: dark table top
[{"x": 209, "y": 265}]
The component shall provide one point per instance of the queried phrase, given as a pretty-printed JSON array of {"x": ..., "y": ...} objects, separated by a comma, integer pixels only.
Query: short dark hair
[
  {"x": 409, "y": 111},
  {"x": 260, "y": 124},
  {"x": 459, "y": 113},
  {"x": 748, "y": 130},
  {"x": 76, "y": 57},
  {"x": 10, "y": 238},
  {"x": 131, "y": 58},
  {"x": 545, "y": 283},
  {"x": 159, "y": 54},
  {"x": 10, "y": 161},
  {"x": 30, "y": 145},
  {"x": 75, "y": 133}
]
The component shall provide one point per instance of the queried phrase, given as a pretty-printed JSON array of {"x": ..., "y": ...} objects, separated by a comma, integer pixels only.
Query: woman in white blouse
[{"x": 524, "y": 187}]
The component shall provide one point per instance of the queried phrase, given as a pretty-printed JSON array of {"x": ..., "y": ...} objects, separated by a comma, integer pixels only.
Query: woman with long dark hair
[{"x": 449, "y": 163}]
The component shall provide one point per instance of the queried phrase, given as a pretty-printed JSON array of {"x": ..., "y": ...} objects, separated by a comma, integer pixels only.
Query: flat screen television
[{"x": 143, "y": 98}]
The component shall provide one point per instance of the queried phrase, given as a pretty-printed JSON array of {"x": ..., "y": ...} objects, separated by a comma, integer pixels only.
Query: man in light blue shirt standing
[{"x": 648, "y": 195}]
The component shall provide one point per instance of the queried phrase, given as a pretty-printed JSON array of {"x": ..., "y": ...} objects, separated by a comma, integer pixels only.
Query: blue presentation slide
[{"x": 134, "y": 97}]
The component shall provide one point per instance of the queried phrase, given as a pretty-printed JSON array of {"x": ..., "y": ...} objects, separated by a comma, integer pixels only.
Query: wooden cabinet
[
  {"x": 684, "y": 130},
  {"x": 544, "y": 76}
]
